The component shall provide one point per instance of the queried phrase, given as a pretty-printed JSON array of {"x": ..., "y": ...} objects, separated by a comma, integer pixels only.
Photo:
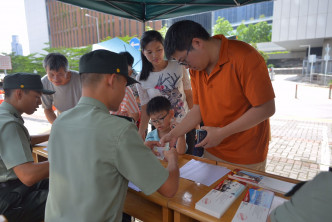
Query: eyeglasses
[
  {"x": 57, "y": 76},
  {"x": 159, "y": 120},
  {"x": 184, "y": 62}
]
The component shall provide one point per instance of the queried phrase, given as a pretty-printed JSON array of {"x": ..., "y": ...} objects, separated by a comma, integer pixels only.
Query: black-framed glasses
[
  {"x": 159, "y": 120},
  {"x": 184, "y": 62}
]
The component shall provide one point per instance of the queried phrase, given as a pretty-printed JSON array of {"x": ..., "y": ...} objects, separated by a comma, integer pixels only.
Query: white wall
[
  {"x": 36, "y": 18},
  {"x": 301, "y": 19}
]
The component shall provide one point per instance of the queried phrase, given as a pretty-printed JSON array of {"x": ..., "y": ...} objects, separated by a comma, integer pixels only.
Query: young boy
[{"x": 162, "y": 118}]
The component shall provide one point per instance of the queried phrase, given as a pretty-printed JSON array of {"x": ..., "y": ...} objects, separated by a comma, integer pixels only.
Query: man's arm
[
  {"x": 249, "y": 119},
  {"x": 31, "y": 173},
  {"x": 144, "y": 122},
  {"x": 189, "y": 98},
  {"x": 50, "y": 115},
  {"x": 39, "y": 139},
  {"x": 171, "y": 185},
  {"x": 181, "y": 145}
]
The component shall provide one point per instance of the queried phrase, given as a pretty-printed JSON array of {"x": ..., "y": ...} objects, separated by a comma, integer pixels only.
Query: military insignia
[
  {"x": 22, "y": 86},
  {"x": 117, "y": 70}
]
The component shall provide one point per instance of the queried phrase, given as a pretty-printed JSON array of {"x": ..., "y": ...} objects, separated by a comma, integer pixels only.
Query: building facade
[
  {"x": 65, "y": 25},
  {"x": 302, "y": 23},
  {"x": 72, "y": 26},
  {"x": 16, "y": 45},
  {"x": 247, "y": 14},
  {"x": 37, "y": 26},
  {"x": 305, "y": 26}
]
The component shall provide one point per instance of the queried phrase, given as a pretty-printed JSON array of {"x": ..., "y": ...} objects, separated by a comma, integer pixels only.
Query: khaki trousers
[{"x": 256, "y": 166}]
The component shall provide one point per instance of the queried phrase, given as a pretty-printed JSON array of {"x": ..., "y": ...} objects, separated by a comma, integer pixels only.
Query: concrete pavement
[{"x": 301, "y": 129}]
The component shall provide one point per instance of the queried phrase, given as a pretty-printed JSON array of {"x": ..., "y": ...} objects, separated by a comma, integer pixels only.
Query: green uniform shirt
[
  {"x": 14, "y": 142},
  {"x": 92, "y": 156},
  {"x": 312, "y": 202}
]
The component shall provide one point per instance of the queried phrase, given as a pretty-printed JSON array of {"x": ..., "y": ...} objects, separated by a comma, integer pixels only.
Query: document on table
[
  {"x": 43, "y": 144},
  {"x": 203, "y": 173},
  {"x": 133, "y": 186},
  {"x": 276, "y": 202}
]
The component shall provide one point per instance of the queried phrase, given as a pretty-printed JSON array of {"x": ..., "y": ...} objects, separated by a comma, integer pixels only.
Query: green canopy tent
[{"x": 145, "y": 10}]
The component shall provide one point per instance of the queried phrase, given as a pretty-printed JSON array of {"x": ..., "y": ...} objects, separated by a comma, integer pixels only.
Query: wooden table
[
  {"x": 181, "y": 207},
  {"x": 39, "y": 154},
  {"x": 183, "y": 204},
  {"x": 155, "y": 207}
]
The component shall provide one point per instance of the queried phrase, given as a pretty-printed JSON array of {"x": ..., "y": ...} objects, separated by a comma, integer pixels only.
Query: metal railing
[{"x": 319, "y": 71}]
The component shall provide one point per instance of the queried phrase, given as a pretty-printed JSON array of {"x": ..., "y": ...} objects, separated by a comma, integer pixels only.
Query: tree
[
  {"x": 222, "y": 26},
  {"x": 263, "y": 54},
  {"x": 29, "y": 63},
  {"x": 254, "y": 33},
  {"x": 162, "y": 31},
  {"x": 33, "y": 63}
]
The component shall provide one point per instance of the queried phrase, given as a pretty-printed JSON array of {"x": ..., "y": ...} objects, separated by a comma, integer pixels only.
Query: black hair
[
  {"x": 9, "y": 92},
  {"x": 180, "y": 35},
  {"x": 146, "y": 38},
  {"x": 130, "y": 58},
  {"x": 55, "y": 61},
  {"x": 158, "y": 104},
  {"x": 91, "y": 79}
]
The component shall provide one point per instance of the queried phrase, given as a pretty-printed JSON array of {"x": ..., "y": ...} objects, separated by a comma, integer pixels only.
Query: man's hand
[
  {"x": 213, "y": 138},
  {"x": 151, "y": 145},
  {"x": 50, "y": 115},
  {"x": 171, "y": 155},
  {"x": 169, "y": 137}
]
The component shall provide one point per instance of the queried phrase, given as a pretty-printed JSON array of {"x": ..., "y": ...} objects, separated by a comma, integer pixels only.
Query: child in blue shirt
[{"x": 162, "y": 118}]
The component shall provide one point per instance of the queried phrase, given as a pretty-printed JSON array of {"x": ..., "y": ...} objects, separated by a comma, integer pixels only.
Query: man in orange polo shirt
[{"x": 232, "y": 93}]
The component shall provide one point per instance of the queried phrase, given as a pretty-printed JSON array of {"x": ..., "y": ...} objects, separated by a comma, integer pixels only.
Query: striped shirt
[{"x": 128, "y": 103}]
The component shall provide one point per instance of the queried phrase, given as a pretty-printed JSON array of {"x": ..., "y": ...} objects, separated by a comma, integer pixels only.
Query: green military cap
[
  {"x": 107, "y": 62},
  {"x": 25, "y": 81}
]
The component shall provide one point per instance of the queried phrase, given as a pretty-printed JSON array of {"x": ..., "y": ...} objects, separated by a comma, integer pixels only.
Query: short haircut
[
  {"x": 146, "y": 38},
  {"x": 179, "y": 36},
  {"x": 55, "y": 61},
  {"x": 9, "y": 92},
  {"x": 130, "y": 58},
  {"x": 158, "y": 104},
  {"x": 91, "y": 79}
]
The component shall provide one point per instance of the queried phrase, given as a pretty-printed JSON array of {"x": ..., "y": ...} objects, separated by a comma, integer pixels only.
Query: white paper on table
[
  {"x": 201, "y": 172},
  {"x": 250, "y": 213},
  {"x": 43, "y": 143},
  {"x": 133, "y": 186},
  {"x": 276, "y": 185},
  {"x": 276, "y": 202}
]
